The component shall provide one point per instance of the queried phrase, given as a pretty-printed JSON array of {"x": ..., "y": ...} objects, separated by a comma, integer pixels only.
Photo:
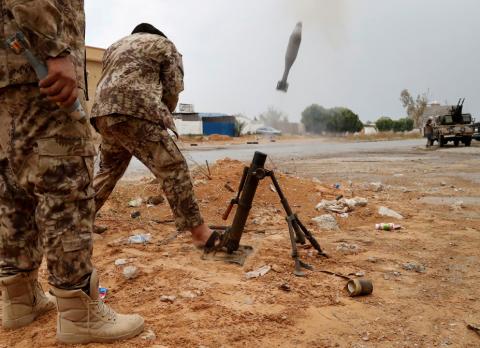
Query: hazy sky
[{"x": 355, "y": 53}]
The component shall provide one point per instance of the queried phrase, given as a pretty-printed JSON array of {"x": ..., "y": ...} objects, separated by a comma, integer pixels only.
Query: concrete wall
[
  {"x": 188, "y": 127},
  {"x": 94, "y": 71}
]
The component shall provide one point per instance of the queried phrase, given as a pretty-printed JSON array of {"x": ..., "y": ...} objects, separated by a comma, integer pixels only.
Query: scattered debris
[
  {"x": 342, "y": 205},
  {"x": 130, "y": 272},
  {"x": 458, "y": 205},
  {"x": 376, "y": 186},
  {"x": 272, "y": 188},
  {"x": 156, "y": 200},
  {"x": 102, "y": 293},
  {"x": 229, "y": 188},
  {"x": 412, "y": 266},
  {"x": 443, "y": 183},
  {"x": 148, "y": 335},
  {"x": 474, "y": 327},
  {"x": 344, "y": 215},
  {"x": 260, "y": 272},
  {"x": 121, "y": 262},
  {"x": 99, "y": 229},
  {"x": 347, "y": 248},
  {"x": 372, "y": 259},
  {"x": 199, "y": 182},
  {"x": 135, "y": 203},
  {"x": 387, "y": 227},
  {"x": 384, "y": 211},
  {"x": 326, "y": 222},
  {"x": 135, "y": 214},
  {"x": 169, "y": 299},
  {"x": 336, "y": 186},
  {"x": 188, "y": 295},
  {"x": 285, "y": 287},
  {"x": 140, "y": 239}
]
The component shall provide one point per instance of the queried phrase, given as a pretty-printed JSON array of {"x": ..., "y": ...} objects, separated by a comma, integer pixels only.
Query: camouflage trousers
[
  {"x": 46, "y": 192},
  {"x": 153, "y": 146}
]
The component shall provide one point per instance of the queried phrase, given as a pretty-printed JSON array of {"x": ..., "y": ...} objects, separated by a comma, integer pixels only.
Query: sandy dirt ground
[{"x": 216, "y": 306}]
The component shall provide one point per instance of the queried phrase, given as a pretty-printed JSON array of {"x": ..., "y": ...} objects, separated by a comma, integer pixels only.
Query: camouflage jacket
[
  {"x": 142, "y": 76},
  {"x": 53, "y": 28}
]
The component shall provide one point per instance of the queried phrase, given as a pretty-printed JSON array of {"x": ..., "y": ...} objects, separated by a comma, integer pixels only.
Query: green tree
[
  {"x": 415, "y": 107},
  {"x": 384, "y": 124},
  {"x": 318, "y": 119}
]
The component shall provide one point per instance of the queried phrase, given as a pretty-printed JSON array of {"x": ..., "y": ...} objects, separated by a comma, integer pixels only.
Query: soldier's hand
[{"x": 60, "y": 86}]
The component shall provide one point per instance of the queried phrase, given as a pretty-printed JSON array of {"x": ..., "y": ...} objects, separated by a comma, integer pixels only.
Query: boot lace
[{"x": 105, "y": 311}]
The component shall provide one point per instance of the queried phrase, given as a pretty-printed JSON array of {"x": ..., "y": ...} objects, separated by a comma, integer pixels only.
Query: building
[
  {"x": 94, "y": 72},
  {"x": 369, "y": 129},
  {"x": 214, "y": 123},
  {"x": 434, "y": 109}
]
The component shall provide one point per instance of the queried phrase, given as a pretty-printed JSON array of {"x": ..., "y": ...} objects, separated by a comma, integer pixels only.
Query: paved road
[{"x": 284, "y": 150}]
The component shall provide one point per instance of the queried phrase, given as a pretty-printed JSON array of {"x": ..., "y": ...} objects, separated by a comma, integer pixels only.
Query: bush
[
  {"x": 386, "y": 124},
  {"x": 318, "y": 119}
]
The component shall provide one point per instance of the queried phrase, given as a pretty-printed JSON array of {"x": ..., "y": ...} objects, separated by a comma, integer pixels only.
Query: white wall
[
  {"x": 369, "y": 130},
  {"x": 189, "y": 127}
]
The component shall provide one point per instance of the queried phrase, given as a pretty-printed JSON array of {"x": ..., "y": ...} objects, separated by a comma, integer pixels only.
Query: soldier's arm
[
  {"x": 171, "y": 76},
  {"x": 43, "y": 18}
]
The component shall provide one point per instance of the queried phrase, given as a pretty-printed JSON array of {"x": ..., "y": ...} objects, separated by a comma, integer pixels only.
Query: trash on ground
[
  {"x": 121, "y": 262},
  {"x": 135, "y": 214},
  {"x": 135, "y": 203},
  {"x": 285, "y": 287},
  {"x": 188, "y": 295},
  {"x": 458, "y": 205},
  {"x": 169, "y": 299},
  {"x": 326, "y": 222},
  {"x": 148, "y": 335},
  {"x": 155, "y": 200},
  {"x": 272, "y": 188},
  {"x": 260, "y": 272},
  {"x": 359, "y": 287},
  {"x": 384, "y": 211},
  {"x": 344, "y": 215},
  {"x": 412, "y": 266},
  {"x": 387, "y": 227},
  {"x": 102, "y": 292},
  {"x": 229, "y": 188},
  {"x": 140, "y": 239},
  {"x": 347, "y": 248},
  {"x": 337, "y": 186},
  {"x": 342, "y": 205},
  {"x": 130, "y": 272},
  {"x": 376, "y": 186}
]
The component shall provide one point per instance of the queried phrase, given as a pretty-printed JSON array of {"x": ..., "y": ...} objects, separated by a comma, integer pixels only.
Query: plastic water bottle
[{"x": 387, "y": 227}]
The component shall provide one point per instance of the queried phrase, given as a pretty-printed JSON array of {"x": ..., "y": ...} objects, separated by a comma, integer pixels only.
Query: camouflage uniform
[
  {"x": 46, "y": 158},
  {"x": 141, "y": 80}
]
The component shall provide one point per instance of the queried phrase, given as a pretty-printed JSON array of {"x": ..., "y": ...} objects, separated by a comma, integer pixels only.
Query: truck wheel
[
  {"x": 467, "y": 141},
  {"x": 441, "y": 141},
  {"x": 456, "y": 142}
]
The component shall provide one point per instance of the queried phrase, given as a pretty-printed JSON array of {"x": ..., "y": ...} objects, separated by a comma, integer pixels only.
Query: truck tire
[
  {"x": 441, "y": 141},
  {"x": 467, "y": 141}
]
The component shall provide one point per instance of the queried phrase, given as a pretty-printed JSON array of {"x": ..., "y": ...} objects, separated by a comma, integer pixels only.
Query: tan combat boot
[
  {"x": 23, "y": 299},
  {"x": 85, "y": 319}
]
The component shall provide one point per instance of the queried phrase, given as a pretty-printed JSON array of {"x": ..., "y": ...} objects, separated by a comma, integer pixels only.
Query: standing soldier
[
  {"x": 138, "y": 90},
  {"x": 46, "y": 169},
  {"x": 428, "y": 132}
]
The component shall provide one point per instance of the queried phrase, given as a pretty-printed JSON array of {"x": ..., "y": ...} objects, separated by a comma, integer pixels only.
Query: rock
[
  {"x": 135, "y": 214},
  {"x": 346, "y": 248},
  {"x": 99, "y": 229},
  {"x": 412, "y": 266},
  {"x": 443, "y": 183},
  {"x": 356, "y": 202},
  {"x": 376, "y": 186},
  {"x": 260, "y": 272},
  {"x": 130, "y": 272},
  {"x": 156, "y": 200},
  {"x": 384, "y": 211},
  {"x": 148, "y": 335},
  {"x": 188, "y": 295},
  {"x": 121, "y": 262},
  {"x": 372, "y": 259},
  {"x": 169, "y": 299},
  {"x": 285, "y": 287},
  {"x": 135, "y": 203},
  {"x": 326, "y": 222}
]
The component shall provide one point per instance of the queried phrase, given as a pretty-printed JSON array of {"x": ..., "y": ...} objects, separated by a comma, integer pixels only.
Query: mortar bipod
[{"x": 229, "y": 242}]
